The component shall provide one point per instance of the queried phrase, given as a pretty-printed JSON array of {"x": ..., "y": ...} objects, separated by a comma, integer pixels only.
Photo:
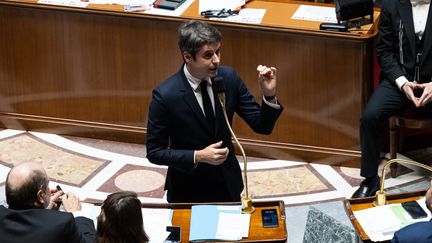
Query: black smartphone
[
  {"x": 165, "y": 4},
  {"x": 269, "y": 218},
  {"x": 175, "y": 234},
  {"x": 414, "y": 209}
]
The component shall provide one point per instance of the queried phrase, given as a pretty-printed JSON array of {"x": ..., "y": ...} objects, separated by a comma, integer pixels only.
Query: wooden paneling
[{"x": 97, "y": 68}]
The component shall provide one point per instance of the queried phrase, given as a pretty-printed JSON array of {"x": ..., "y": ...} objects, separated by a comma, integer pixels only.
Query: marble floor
[{"x": 94, "y": 168}]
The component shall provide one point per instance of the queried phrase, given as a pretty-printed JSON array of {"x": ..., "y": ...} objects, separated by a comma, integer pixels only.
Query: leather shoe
[{"x": 367, "y": 189}]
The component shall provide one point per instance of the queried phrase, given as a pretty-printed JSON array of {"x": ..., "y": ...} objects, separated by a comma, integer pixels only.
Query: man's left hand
[
  {"x": 267, "y": 80},
  {"x": 426, "y": 96}
]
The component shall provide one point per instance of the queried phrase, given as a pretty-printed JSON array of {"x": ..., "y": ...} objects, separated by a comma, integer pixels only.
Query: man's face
[{"x": 206, "y": 61}]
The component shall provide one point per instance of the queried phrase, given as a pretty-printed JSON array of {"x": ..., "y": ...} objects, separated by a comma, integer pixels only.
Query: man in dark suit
[
  {"x": 186, "y": 128},
  {"x": 404, "y": 52},
  {"x": 30, "y": 217},
  {"x": 420, "y": 232}
]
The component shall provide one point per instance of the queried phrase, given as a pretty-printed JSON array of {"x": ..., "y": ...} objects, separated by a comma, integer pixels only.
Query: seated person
[
  {"x": 420, "y": 232},
  {"x": 29, "y": 217},
  {"x": 403, "y": 51},
  {"x": 120, "y": 220}
]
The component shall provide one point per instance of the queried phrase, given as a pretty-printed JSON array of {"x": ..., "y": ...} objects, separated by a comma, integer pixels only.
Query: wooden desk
[
  {"x": 182, "y": 214},
  {"x": 90, "y": 72},
  {"x": 352, "y": 205}
]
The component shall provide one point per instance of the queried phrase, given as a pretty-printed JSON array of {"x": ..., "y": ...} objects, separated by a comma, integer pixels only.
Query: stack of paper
[
  {"x": 380, "y": 223},
  {"x": 216, "y": 222}
]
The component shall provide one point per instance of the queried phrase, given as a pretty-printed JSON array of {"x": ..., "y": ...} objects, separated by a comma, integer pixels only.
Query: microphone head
[{"x": 218, "y": 85}]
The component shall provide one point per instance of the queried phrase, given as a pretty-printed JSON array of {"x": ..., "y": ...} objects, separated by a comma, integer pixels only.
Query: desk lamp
[{"x": 380, "y": 198}]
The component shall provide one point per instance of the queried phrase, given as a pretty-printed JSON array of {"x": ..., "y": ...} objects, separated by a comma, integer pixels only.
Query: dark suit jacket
[
  {"x": 177, "y": 127},
  {"x": 415, "y": 233},
  {"x": 44, "y": 226},
  {"x": 393, "y": 13}
]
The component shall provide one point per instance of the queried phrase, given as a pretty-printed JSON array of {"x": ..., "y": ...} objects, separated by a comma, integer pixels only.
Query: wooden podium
[
  {"x": 352, "y": 205},
  {"x": 257, "y": 233}
]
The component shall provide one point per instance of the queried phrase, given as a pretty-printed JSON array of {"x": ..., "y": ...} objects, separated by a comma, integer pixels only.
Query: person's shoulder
[
  {"x": 389, "y": 4},
  {"x": 3, "y": 210},
  {"x": 225, "y": 70},
  {"x": 171, "y": 82},
  {"x": 229, "y": 75},
  {"x": 417, "y": 232}
]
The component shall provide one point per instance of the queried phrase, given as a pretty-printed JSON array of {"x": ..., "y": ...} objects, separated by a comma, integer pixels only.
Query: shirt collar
[
  {"x": 419, "y": 2},
  {"x": 193, "y": 81}
]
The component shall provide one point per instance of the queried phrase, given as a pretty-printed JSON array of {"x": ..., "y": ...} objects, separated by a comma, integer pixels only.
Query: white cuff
[
  {"x": 195, "y": 163},
  {"x": 275, "y": 106},
  {"x": 401, "y": 81}
]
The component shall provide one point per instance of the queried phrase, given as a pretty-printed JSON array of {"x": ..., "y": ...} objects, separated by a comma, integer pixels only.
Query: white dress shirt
[{"x": 420, "y": 9}]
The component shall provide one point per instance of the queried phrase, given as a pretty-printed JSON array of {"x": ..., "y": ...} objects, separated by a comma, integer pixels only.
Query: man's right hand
[
  {"x": 71, "y": 202},
  {"x": 212, "y": 154},
  {"x": 408, "y": 88}
]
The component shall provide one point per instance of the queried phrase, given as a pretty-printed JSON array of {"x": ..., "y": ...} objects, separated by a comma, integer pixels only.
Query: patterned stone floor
[{"x": 94, "y": 168}]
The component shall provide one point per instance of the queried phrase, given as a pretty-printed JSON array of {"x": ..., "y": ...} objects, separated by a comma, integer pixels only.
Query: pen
[{"x": 58, "y": 201}]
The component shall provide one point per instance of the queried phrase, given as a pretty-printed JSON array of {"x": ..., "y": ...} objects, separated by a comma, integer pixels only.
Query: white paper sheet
[
  {"x": 246, "y": 15},
  {"x": 205, "y": 5},
  {"x": 380, "y": 223},
  {"x": 155, "y": 222},
  {"x": 70, "y": 3},
  {"x": 233, "y": 226},
  {"x": 315, "y": 13},
  {"x": 123, "y": 2}
]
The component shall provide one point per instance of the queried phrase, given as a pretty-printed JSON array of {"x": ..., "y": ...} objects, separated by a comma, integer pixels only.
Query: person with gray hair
[
  {"x": 30, "y": 215},
  {"x": 186, "y": 127}
]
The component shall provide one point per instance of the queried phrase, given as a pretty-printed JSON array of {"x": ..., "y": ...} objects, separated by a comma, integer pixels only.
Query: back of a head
[
  {"x": 121, "y": 219},
  {"x": 23, "y": 183},
  {"x": 193, "y": 34}
]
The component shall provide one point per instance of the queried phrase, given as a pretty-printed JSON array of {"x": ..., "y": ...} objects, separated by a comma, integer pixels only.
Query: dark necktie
[{"x": 208, "y": 108}]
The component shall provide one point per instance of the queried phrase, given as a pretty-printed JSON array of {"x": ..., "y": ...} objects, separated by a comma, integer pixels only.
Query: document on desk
[
  {"x": 155, "y": 222},
  {"x": 218, "y": 222},
  {"x": 205, "y": 5},
  {"x": 315, "y": 13},
  {"x": 90, "y": 211},
  {"x": 123, "y": 2},
  {"x": 245, "y": 16},
  {"x": 380, "y": 223},
  {"x": 70, "y": 3}
]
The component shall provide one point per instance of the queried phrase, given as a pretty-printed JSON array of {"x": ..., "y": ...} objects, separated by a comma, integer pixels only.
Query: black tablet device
[{"x": 269, "y": 218}]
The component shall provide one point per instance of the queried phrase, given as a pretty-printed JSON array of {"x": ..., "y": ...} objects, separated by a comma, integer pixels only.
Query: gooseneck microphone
[{"x": 219, "y": 89}]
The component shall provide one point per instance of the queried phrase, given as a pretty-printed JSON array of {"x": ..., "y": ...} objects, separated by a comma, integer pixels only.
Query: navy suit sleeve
[
  {"x": 395, "y": 238},
  {"x": 260, "y": 118},
  {"x": 388, "y": 42},
  {"x": 86, "y": 229},
  {"x": 419, "y": 232},
  {"x": 158, "y": 135}
]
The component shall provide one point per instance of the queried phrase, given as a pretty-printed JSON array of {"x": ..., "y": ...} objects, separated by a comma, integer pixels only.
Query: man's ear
[
  {"x": 187, "y": 57},
  {"x": 40, "y": 198}
]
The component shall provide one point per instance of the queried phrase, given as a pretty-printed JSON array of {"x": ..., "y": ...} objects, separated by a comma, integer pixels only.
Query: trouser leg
[{"x": 387, "y": 100}]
